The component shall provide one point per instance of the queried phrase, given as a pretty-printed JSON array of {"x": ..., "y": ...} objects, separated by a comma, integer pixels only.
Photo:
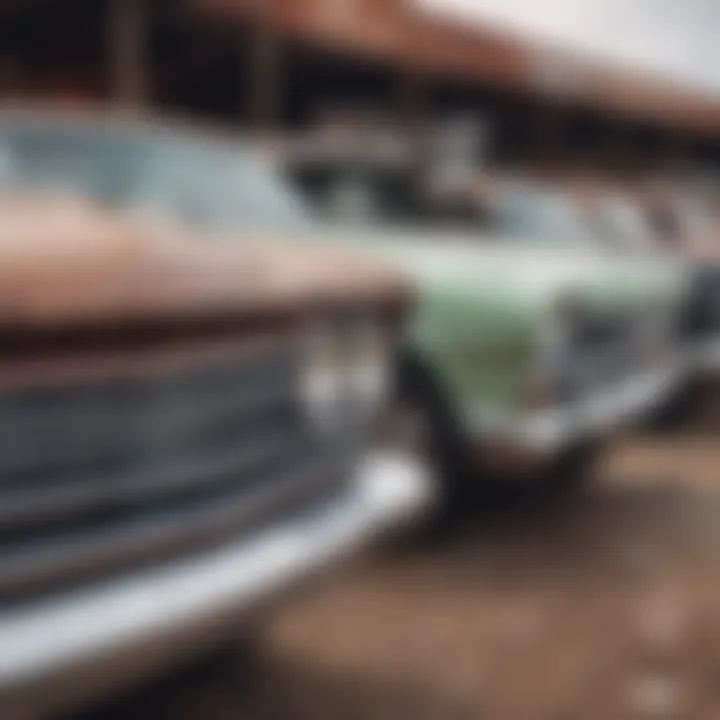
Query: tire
[
  {"x": 424, "y": 426},
  {"x": 418, "y": 403}
]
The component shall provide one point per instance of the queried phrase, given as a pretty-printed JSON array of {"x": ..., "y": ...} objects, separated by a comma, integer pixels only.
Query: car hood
[
  {"x": 63, "y": 260},
  {"x": 500, "y": 269}
]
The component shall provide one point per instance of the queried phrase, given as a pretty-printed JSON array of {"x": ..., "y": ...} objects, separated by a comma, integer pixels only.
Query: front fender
[{"x": 477, "y": 348}]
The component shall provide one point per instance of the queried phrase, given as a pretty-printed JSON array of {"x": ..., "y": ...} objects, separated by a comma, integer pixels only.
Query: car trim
[
  {"x": 548, "y": 432},
  {"x": 63, "y": 636}
]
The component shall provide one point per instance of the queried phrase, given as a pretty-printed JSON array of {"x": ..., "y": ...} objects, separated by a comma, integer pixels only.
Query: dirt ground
[{"x": 602, "y": 606}]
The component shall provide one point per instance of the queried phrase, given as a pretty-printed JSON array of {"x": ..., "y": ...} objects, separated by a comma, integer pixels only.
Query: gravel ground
[{"x": 603, "y": 606}]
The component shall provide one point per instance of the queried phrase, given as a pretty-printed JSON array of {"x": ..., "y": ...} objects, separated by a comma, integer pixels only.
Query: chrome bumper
[
  {"x": 61, "y": 645},
  {"x": 537, "y": 436}
]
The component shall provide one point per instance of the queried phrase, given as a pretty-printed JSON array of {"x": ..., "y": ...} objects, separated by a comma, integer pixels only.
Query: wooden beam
[
  {"x": 127, "y": 31},
  {"x": 264, "y": 79},
  {"x": 411, "y": 102},
  {"x": 548, "y": 123}
]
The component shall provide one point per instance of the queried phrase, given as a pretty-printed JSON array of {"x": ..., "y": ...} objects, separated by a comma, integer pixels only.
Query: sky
[{"x": 677, "y": 38}]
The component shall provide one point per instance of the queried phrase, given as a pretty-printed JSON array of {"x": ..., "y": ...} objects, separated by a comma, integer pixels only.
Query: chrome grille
[
  {"x": 603, "y": 350},
  {"x": 99, "y": 478}
]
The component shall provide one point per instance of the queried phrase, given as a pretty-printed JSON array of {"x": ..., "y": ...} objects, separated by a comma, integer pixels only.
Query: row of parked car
[
  {"x": 224, "y": 369},
  {"x": 551, "y": 307}
]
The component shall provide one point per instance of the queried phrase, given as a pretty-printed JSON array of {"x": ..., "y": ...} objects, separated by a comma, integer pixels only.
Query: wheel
[{"x": 419, "y": 422}]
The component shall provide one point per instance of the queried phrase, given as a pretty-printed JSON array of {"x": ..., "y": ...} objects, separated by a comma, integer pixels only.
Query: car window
[
  {"x": 384, "y": 197},
  {"x": 68, "y": 160},
  {"x": 183, "y": 179},
  {"x": 204, "y": 188},
  {"x": 357, "y": 195},
  {"x": 542, "y": 218}
]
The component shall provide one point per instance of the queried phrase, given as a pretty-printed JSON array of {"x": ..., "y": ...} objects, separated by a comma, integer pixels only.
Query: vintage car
[
  {"x": 530, "y": 344},
  {"x": 190, "y": 404}
]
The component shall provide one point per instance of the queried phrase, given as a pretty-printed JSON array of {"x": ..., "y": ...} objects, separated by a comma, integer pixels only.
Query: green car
[{"x": 531, "y": 342}]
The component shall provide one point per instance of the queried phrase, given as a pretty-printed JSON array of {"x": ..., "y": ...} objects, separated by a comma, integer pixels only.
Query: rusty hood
[{"x": 65, "y": 261}]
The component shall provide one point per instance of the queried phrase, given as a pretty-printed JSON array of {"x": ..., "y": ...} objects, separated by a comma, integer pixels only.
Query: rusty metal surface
[
  {"x": 64, "y": 261},
  {"x": 394, "y": 31}
]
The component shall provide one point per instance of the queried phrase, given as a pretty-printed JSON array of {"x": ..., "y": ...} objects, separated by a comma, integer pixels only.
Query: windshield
[
  {"x": 542, "y": 218},
  {"x": 179, "y": 178}
]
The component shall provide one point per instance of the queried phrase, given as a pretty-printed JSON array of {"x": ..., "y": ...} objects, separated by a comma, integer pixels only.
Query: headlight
[
  {"x": 369, "y": 368},
  {"x": 345, "y": 373},
  {"x": 320, "y": 376},
  {"x": 549, "y": 378}
]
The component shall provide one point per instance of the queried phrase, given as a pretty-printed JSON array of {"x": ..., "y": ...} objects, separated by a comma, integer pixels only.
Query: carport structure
[{"x": 270, "y": 64}]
